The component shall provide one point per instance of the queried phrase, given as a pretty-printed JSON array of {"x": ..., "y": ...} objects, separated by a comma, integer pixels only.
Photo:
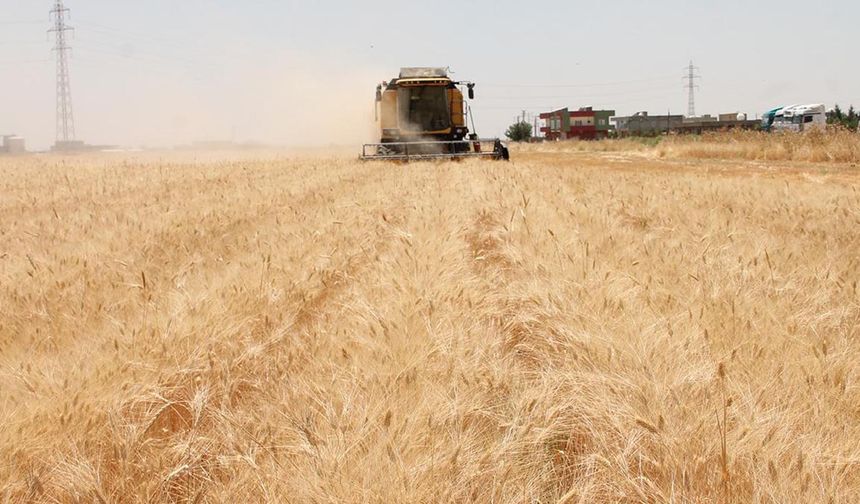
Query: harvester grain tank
[{"x": 422, "y": 115}]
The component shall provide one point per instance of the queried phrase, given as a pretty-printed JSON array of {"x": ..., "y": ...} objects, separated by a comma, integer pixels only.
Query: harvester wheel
[{"x": 501, "y": 151}]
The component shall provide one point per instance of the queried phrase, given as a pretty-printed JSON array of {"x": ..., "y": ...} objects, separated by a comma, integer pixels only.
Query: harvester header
[{"x": 422, "y": 114}]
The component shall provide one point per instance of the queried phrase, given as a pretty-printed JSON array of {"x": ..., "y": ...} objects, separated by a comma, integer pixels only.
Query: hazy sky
[{"x": 163, "y": 72}]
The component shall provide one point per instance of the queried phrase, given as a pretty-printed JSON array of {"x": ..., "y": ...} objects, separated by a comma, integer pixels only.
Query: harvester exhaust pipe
[{"x": 378, "y": 100}]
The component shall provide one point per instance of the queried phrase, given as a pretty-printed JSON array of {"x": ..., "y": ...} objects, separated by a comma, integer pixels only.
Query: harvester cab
[{"x": 422, "y": 115}]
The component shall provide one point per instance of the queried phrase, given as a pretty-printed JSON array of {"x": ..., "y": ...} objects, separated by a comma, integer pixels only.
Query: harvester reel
[{"x": 383, "y": 150}]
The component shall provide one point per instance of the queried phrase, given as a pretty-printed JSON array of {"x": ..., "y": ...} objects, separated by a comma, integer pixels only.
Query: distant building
[
  {"x": 69, "y": 146},
  {"x": 585, "y": 124},
  {"x": 707, "y": 118},
  {"x": 72, "y": 146},
  {"x": 641, "y": 123},
  {"x": 13, "y": 144},
  {"x": 733, "y": 120},
  {"x": 732, "y": 116}
]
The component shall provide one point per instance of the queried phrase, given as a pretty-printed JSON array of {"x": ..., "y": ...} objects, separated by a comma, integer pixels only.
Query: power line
[
  {"x": 65, "y": 115},
  {"x": 117, "y": 66},
  {"x": 9, "y": 23},
  {"x": 126, "y": 34},
  {"x": 581, "y": 85},
  {"x": 135, "y": 54},
  {"x": 691, "y": 89},
  {"x": 587, "y": 96},
  {"x": 23, "y": 61},
  {"x": 193, "y": 54},
  {"x": 595, "y": 101},
  {"x": 21, "y": 42}
]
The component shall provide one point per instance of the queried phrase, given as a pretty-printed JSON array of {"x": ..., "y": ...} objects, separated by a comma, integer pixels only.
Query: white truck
[{"x": 795, "y": 118}]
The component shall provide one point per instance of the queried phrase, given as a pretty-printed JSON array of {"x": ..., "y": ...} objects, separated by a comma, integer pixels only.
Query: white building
[{"x": 13, "y": 144}]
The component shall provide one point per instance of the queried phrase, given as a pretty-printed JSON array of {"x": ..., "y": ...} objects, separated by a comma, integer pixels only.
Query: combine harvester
[{"x": 422, "y": 115}]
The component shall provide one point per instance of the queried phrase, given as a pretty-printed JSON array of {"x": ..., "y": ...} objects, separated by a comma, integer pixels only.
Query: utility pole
[
  {"x": 691, "y": 88},
  {"x": 65, "y": 115}
]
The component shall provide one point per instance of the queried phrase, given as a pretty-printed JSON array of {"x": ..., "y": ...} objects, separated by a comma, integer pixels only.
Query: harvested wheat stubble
[{"x": 588, "y": 323}]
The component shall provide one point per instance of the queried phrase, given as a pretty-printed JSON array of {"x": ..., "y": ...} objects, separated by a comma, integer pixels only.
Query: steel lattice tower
[
  {"x": 65, "y": 116},
  {"x": 691, "y": 88}
]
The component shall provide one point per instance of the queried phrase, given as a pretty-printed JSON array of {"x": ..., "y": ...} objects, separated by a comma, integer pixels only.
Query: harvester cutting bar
[{"x": 491, "y": 148}]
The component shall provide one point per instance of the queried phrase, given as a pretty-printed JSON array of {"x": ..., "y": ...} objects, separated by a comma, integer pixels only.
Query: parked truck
[{"x": 795, "y": 118}]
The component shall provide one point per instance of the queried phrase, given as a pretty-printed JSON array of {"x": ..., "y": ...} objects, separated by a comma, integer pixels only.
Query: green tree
[
  {"x": 835, "y": 116},
  {"x": 852, "y": 118},
  {"x": 840, "y": 117},
  {"x": 519, "y": 132}
]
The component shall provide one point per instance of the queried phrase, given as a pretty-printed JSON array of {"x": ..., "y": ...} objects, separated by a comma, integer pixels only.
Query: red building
[{"x": 585, "y": 123}]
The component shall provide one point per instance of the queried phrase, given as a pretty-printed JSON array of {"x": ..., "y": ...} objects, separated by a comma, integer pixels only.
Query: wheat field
[{"x": 602, "y": 322}]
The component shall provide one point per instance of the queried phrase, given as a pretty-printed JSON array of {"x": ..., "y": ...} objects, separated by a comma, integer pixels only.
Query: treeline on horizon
[{"x": 839, "y": 117}]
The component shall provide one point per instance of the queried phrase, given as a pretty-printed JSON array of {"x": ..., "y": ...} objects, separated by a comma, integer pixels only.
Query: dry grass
[
  {"x": 569, "y": 327},
  {"x": 836, "y": 145}
]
